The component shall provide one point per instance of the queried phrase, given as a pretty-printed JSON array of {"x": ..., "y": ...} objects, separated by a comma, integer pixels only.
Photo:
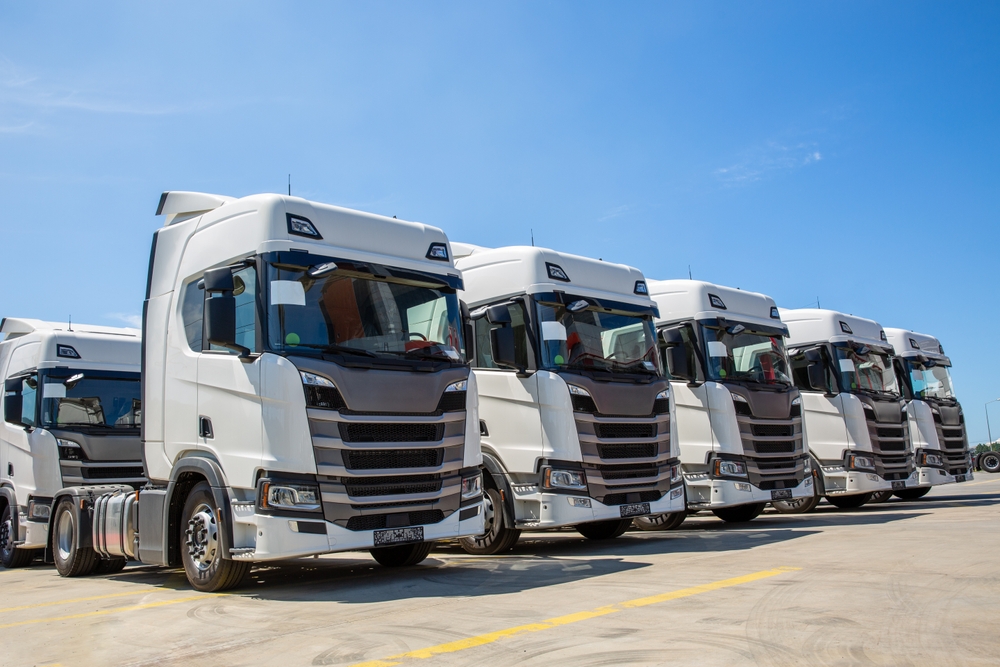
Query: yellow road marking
[
  {"x": 490, "y": 637},
  {"x": 88, "y": 599},
  {"x": 105, "y": 612}
]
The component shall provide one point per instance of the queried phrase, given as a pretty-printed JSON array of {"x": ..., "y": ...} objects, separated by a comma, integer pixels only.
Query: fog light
[
  {"x": 579, "y": 502},
  {"x": 742, "y": 486},
  {"x": 676, "y": 493},
  {"x": 872, "y": 477}
]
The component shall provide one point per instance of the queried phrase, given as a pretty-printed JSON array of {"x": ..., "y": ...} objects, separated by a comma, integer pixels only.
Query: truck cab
[
  {"x": 854, "y": 410},
  {"x": 574, "y": 406},
  {"x": 737, "y": 413},
  {"x": 72, "y": 417},
  {"x": 305, "y": 389},
  {"x": 934, "y": 415}
]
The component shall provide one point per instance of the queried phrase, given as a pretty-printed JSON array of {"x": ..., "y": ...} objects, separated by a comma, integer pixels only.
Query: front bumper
[
  {"x": 936, "y": 476},
  {"x": 555, "y": 509},
  {"x": 710, "y": 493},
  {"x": 263, "y": 537},
  {"x": 851, "y": 482}
]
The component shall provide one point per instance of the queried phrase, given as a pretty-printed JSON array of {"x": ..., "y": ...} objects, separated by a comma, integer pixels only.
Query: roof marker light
[
  {"x": 67, "y": 352},
  {"x": 881, "y": 334},
  {"x": 716, "y": 302},
  {"x": 774, "y": 313},
  {"x": 845, "y": 328},
  {"x": 301, "y": 226},
  {"x": 640, "y": 288},
  {"x": 914, "y": 345},
  {"x": 556, "y": 272},
  {"x": 437, "y": 251}
]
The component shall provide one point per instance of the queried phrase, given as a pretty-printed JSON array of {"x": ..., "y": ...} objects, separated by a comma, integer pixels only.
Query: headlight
[
  {"x": 316, "y": 380},
  {"x": 70, "y": 450},
  {"x": 737, "y": 398},
  {"x": 862, "y": 462},
  {"x": 675, "y": 474},
  {"x": 665, "y": 394},
  {"x": 461, "y": 385},
  {"x": 286, "y": 496},
  {"x": 564, "y": 479},
  {"x": 807, "y": 466},
  {"x": 577, "y": 391},
  {"x": 797, "y": 400},
  {"x": 933, "y": 460},
  {"x": 730, "y": 468},
  {"x": 472, "y": 486}
]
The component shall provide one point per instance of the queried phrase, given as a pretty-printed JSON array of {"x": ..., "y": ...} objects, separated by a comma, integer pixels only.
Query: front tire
[
  {"x": 10, "y": 555},
  {"x": 989, "y": 461},
  {"x": 603, "y": 530},
  {"x": 402, "y": 555},
  {"x": 740, "y": 513},
  {"x": 880, "y": 497},
  {"x": 849, "y": 502},
  {"x": 110, "y": 565},
  {"x": 912, "y": 494},
  {"x": 206, "y": 567},
  {"x": 70, "y": 558},
  {"x": 498, "y": 536},
  {"x": 670, "y": 521}
]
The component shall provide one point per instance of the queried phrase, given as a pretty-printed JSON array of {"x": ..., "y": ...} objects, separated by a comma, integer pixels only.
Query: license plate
[
  {"x": 898, "y": 485},
  {"x": 781, "y": 494},
  {"x": 636, "y": 509},
  {"x": 959, "y": 478},
  {"x": 399, "y": 536}
]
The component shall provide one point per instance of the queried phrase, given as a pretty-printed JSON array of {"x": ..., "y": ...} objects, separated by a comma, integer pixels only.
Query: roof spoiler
[{"x": 179, "y": 205}]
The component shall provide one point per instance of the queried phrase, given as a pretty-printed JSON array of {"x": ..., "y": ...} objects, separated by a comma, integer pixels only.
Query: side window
[
  {"x": 484, "y": 357},
  {"x": 193, "y": 311},
  {"x": 29, "y": 399}
]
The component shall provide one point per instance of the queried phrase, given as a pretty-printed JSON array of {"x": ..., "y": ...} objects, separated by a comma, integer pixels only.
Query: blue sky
[{"x": 843, "y": 151}]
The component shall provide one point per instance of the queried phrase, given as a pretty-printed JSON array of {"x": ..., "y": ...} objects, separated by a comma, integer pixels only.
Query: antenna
[
  {"x": 689, "y": 272},
  {"x": 532, "y": 238},
  {"x": 71, "y": 321},
  {"x": 289, "y": 185},
  {"x": 817, "y": 303}
]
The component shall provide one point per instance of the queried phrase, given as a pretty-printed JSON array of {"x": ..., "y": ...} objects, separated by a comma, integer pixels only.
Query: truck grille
[
  {"x": 635, "y": 497},
  {"x": 762, "y": 447},
  {"x": 661, "y": 406},
  {"x": 360, "y": 487},
  {"x": 889, "y": 431},
  {"x": 772, "y": 430},
  {"x": 391, "y": 432},
  {"x": 379, "y": 521},
  {"x": 630, "y": 471},
  {"x": 631, "y": 450},
  {"x": 611, "y": 431},
  {"x": 953, "y": 433},
  {"x": 384, "y": 459},
  {"x": 123, "y": 472},
  {"x": 452, "y": 401}
]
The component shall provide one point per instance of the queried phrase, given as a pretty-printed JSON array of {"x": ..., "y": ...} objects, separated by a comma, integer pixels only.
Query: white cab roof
[
  {"x": 496, "y": 273},
  {"x": 692, "y": 299},
  {"x": 36, "y": 344},
  {"x": 819, "y": 325},
  {"x": 911, "y": 344}
]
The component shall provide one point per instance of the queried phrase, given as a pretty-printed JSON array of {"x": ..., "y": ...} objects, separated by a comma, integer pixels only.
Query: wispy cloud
[
  {"x": 617, "y": 211},
  {"x": 766, "y": 160},
  {"x": 131, "y": 319},
  {"x": 17, "y": 129}
]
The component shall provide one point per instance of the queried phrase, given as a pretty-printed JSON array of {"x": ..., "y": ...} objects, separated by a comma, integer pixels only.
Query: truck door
[{"x": 229, "y": 405}]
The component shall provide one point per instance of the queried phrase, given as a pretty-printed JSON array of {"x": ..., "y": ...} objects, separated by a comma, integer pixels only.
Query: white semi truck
[
  {"x": 304, "y": 392},
  {"x": 854, "y": 412},
  {"x": 935, "y": 417},
  {"x": 737, "y": 413},
  {"x": 71, "y": 418},
  {"x": 574, "y": 407}
]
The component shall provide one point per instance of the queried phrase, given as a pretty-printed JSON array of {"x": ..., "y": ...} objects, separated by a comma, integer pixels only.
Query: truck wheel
[
  {"x": 990, "y": 461},
  {"x": 660, "y": 521},
  {"x": 110, "y": 565},
  {"x": 912, "y": 494},
  {"x": 796, "y": 505},
  {"x": 403, "y": 555},
  {"x": 603, "y": 530},
  {"x": 849, "y": 502},
  {"x": 498, "y": 536},
  {"x": 10, "y": 555},
  {"x": 206, "y": 567},
  {"x": 740, "y": 513},
  {"x": 880, "y": 497},
  {"x": 70, "y": 558}
]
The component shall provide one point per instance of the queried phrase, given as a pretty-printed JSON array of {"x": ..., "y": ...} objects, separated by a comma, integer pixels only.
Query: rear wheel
[
  {"x": 402, "y": 555},
  {"x": 849, "y": 502},
  {"x": 660, "y": 521},
  {"x": 498, "y": 536},
  {"x": 912, "y": 494},
  {"x": 740, "y": 513},
  {"x": 10, "y": 555},
  {"x": 206, "y": 567},
  {"x": 990, "y": 461},
  {"x": 71, "y": 559},
  {"x": 880, "y": 497},
  {"x": 603, "y": 530}
]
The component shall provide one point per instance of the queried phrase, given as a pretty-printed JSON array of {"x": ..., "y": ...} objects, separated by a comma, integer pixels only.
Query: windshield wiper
[{"x": 333, "y": 347}]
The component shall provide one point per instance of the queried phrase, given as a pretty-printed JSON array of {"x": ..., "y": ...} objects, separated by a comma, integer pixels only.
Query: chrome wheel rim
[
  {"x": 202, "y": 537},
  {"x": 489, "y": 516},
  {"x": 6, "y": 530},
  {"x": 64, "y": 535}
]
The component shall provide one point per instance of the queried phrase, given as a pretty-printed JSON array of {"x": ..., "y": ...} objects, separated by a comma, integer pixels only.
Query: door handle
[{"x": 205, "y": 427}]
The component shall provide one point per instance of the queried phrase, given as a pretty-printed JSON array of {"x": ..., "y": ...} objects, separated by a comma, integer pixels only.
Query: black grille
[
  {"x": 125, "y": 472},
  {"x": 955, "y": 444},
  {"x": 639, "y": 497},
  {"x": 378, "y": 521},
  {"x": 360, "y": 487},
  {"x": 889, "y": 431},
  {"x": 796, "y": 411},
  {"x": 776, "y": 466},
  {"x": 772, "y": 430},
  {"x": 635, "y": 471},
  {"x": 452, "y": 401},
  {"x": 327, "y": 398},
  {"x": 952, "y": 433},
  {"x": 661, "y": 406},
  {"x": 631, "y": 450},
  {"x": 391, "y": 432},
  {"x": 773, "y": 447},
  {"x": 625, "y": 430},
  {"x": 937, "y": 417},
  {"x": 583, "y": 403},
  {"x": 743, "y": 409},
  {"x": 892, "y": 446},
  {"x": 383, "y": 459}
]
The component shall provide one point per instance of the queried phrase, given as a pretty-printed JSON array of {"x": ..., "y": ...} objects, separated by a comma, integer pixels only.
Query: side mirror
[
  {"x": 815, "y": 370},
  {"x": 498, "y": 314},
  {"x": 468, "y": 332},
  {"x": 676, "y": 353},
  {"x": 12, "y": 402},
  {"x": 502, "y": 347},
  {"x": 220, "y": 311},
  {"x": 219, "y": 280}
]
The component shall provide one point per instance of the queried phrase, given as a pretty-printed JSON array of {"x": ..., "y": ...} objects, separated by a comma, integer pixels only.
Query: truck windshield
[
  {"x": 590, "y": 340},
  {"x": 865, "y": 370},
  {"x": 348, "y": 311},
  {"x": 93, "y": 402},
  {"x": 738, "y": 353},
  {"x": 933, "y": 382}
]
